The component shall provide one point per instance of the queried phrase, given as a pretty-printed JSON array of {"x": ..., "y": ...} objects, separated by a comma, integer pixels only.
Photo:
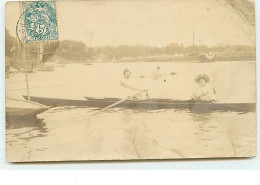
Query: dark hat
[{"x": 201, "y": 76}]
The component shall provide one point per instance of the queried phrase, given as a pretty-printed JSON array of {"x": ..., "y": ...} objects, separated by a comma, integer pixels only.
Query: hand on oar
[
  {"x": 114, "y": 104},
  {"x": 172, "y": 73}
]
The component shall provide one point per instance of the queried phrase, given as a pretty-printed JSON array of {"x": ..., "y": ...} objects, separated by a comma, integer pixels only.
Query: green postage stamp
[{"x": 40, "y": 21}]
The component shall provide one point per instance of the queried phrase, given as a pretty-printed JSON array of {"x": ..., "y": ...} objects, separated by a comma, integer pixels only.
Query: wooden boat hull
[
  {"x": 16, "y": 107},
  {"x": 14, "y": 111},
  {"x": 192, "y": 105}
]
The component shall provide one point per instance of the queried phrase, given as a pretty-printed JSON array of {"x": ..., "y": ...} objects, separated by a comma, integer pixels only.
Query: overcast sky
[{"x": 154, "y": 23}]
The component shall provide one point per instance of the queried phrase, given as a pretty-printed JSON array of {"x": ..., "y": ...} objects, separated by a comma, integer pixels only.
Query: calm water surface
[{"x": 130, "y": 134}]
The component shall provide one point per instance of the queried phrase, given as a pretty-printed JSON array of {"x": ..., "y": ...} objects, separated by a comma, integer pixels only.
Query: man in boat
[
  {"x": 204, "y": 91},
  {"x": 130, "y": 89},
  {"x": 157, "y": 73}
]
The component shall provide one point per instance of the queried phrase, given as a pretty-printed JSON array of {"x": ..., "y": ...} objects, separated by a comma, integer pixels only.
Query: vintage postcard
[{"x": 128, "y": 80}]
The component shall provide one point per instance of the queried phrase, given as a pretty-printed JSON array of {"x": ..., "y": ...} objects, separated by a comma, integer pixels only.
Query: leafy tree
[{"x": 10, "y": 43}]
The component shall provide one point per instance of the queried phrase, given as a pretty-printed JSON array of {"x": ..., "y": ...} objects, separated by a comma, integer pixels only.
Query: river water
[{"x": 68, "y": 133}]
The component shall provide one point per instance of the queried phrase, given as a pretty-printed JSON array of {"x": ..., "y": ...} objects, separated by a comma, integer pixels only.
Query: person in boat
[
  {"x": 157, "y": 73},
  {"x": 204, "y": 91},
  {"x": 129, "y": 88}
]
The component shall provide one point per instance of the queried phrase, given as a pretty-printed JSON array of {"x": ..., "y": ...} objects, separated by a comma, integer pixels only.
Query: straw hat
[
  {"x": 201, "y": 76},
  {"x": 126, "y": 70}
]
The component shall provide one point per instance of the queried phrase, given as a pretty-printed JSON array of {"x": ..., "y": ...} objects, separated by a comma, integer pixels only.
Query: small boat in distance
[
  {"x": 46, "y": 68},
  {"x": 60, "y": 65},
  {"x": 149, "y": 104},
  {"x": 195, "y": 56},
  {"x": 207, "y": 57},
  {"x": 87, "y": 63}
]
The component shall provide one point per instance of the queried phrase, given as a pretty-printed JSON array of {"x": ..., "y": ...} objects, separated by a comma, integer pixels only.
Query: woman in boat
[
  {"x": 129, "y": 88},
  {"x": 204, "y": 91}
]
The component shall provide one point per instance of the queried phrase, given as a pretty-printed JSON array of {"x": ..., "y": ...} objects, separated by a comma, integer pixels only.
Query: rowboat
[
  {"x": 152, "y": 103},
  {"x": 87, "y": 63},
  {"x": 17, "y": 107},
  {"x": 46, "y": 68},
  {"x": 61, "y": 65}
]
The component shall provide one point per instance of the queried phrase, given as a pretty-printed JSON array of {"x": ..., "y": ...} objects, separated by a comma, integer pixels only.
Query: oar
[
  {"x": 114, "y": 104},
  {"x": 172, "y": 73}
]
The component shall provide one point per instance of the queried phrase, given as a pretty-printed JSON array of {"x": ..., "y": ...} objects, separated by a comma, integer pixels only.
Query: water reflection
[
  {"x": 204, "y": 117},
  {"x": 25, "y": 128},
  {"x": 130, "y": 133}
]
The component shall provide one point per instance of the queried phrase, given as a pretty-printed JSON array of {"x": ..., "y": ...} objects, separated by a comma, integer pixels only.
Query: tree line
[{"x": 78, "y": 51}]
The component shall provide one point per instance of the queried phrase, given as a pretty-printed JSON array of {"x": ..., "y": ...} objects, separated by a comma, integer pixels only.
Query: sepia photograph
[{"x": 130, "y": 80}]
